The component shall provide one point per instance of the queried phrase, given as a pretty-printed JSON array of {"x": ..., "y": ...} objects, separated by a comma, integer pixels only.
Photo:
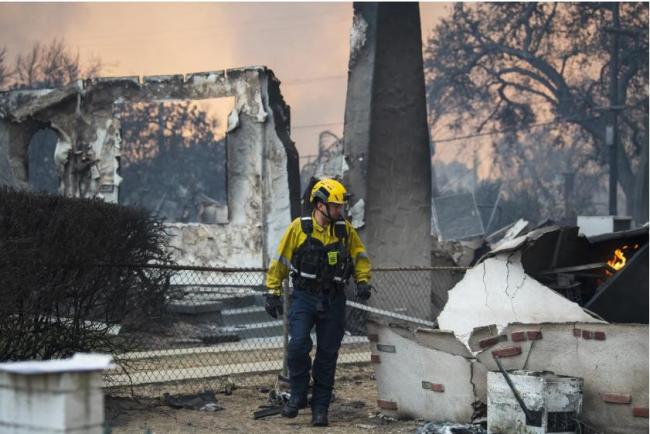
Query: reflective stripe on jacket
[{"x": 292, "y": 239}]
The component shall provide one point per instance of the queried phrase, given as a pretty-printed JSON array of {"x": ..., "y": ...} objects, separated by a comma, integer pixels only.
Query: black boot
[
  {"x": 319, "y": 416},
  {"x": 294, "y": 404}
]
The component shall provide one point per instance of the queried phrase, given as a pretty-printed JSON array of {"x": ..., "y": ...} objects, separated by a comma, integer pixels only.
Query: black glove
[
  {"x": 363, "y": 290},
  {"x": 273, "y": 305}
]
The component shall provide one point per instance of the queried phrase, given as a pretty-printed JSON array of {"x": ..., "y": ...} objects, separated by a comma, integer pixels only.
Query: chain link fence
[{"x": 215, "y": 327}]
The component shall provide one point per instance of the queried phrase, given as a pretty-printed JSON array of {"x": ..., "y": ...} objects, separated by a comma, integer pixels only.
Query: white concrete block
[
  {"x": 422, "y": 382},
  {"x": 53, "y": 396},
  {"x": 558, "y": 398},
  {"x": 46, "y": 402},
  {"x": 591, "y": 226}
]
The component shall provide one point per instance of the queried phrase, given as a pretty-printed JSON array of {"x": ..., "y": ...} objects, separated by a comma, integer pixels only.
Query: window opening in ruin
[
  {"x": 42, "y": 173},
  {"x": 173, "y": 158}
]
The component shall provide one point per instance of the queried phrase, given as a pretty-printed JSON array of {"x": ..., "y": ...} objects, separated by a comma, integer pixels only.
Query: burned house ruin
[{"x": 261, "y": 160}]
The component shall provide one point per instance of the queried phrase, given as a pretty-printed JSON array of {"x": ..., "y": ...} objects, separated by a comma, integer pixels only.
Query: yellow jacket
[{"x": 292, "y": 239}]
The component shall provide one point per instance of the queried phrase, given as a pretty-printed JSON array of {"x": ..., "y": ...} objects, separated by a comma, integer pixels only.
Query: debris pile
[
  {"x": 548, "y": 299},
  {"x": 204, "y": 401}
]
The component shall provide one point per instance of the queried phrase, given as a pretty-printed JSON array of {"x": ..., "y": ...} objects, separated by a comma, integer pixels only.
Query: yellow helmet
[{"x": 329, "y": 190}]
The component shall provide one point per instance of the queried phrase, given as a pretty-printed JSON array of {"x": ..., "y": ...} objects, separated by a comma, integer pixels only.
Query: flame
[{"x": 619, "y": 259}]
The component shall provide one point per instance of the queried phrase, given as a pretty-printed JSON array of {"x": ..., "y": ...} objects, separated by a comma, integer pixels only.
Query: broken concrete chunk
[
  {"x": 516, "y": 230},
  {"x": 357, "y": 213},
  {"x": 498, "y": 291},
  {"x": 479, "y": 381},
  {"x": 441, "y": 340},
  {"x": 512, "y": 244},
  {"x": 483, "y": 337},
  {"x": 416, "y": 381},
  {"x": 512, "y": 355},
  {"x": 233, "y": 121}
]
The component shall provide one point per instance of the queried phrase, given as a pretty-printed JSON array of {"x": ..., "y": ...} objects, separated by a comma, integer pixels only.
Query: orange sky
[{"x": 306, "y": 45}]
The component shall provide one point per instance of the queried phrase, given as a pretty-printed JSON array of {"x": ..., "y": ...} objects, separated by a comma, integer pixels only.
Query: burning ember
[{"x": 619, "y": 259}]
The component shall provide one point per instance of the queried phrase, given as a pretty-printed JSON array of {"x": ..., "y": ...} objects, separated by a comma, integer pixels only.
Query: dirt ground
[{"x": 354, "y": 410}]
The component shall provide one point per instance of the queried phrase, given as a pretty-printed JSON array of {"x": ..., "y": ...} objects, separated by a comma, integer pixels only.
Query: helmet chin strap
[{"x": 326, "y": 214}]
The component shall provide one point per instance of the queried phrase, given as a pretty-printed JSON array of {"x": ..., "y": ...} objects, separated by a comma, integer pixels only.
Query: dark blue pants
[{"x": 330, "y": 326}]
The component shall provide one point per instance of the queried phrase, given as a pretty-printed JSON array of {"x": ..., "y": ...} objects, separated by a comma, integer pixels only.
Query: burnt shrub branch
[{"x": 71, "y": 275}]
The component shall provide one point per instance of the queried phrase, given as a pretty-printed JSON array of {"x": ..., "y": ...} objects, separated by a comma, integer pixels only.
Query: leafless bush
[{"x": 63, "y": 281}]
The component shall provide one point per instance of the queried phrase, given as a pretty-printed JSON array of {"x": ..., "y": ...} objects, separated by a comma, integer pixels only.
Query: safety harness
[{"x": 320, "y": 268}]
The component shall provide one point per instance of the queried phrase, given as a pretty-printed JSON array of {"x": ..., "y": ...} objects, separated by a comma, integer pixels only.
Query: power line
[
  {"x": 489, "y": 133},
  {"x": 299, "y": 127},
  {"x": 309, "y": 80},
  {"x": 507, "y": 130},
  {"x": 448, "y": 139},
  {"x": 455, "y": 180}
]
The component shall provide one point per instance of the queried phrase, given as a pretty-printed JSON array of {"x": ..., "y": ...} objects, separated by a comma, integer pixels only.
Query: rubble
[
  {"x": 540, "y": 401},
  {"x": 523, "y": 302},
  {"x": 449, "y": 428},
  {"x": 204, "y": 401}
]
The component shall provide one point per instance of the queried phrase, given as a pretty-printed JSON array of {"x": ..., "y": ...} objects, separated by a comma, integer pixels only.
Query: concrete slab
[
  {"x": 498, "y": 291},
  {"x": 441, "y": 340},
  {"x": 244, "y": 315}
]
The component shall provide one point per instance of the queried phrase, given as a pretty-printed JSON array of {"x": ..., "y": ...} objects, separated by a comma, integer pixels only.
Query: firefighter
[{"x": 321, "y": 251}]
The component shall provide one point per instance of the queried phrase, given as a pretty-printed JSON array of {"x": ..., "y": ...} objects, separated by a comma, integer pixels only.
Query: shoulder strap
[
  {"x": 307, "y": 225},
  {"x": 341, "y": 231}
]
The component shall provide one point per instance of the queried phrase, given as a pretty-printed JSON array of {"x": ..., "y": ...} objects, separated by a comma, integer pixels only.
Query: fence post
[{"x": 285, "y": 329}]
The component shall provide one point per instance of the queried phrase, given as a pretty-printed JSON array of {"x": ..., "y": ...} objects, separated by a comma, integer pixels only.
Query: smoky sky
[{"x": 305, "y": 44}]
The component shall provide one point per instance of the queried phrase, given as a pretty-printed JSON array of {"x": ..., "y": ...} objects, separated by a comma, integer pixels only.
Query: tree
[
  {"x": 172, "y": 160},
  {"x": 52, "y": 65},
  {"x": 5, "y": 73},
  {"x": 495, "y": 66},
  {"x": 452, "y": 177},
  {"x": 540, "y": 161},
  {"x": 512, "y": 206},
  {"x": 45, "y": 66}
]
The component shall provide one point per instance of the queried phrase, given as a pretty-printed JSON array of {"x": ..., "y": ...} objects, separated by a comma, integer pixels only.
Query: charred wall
[{"x": 262, "y": 162}]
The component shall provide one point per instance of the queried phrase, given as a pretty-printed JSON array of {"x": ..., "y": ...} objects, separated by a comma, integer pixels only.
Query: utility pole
[
  {"x": 569, "y": 214},
  {"x": 611, "y": 133},
  {"x": 475, "y": 164}
]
